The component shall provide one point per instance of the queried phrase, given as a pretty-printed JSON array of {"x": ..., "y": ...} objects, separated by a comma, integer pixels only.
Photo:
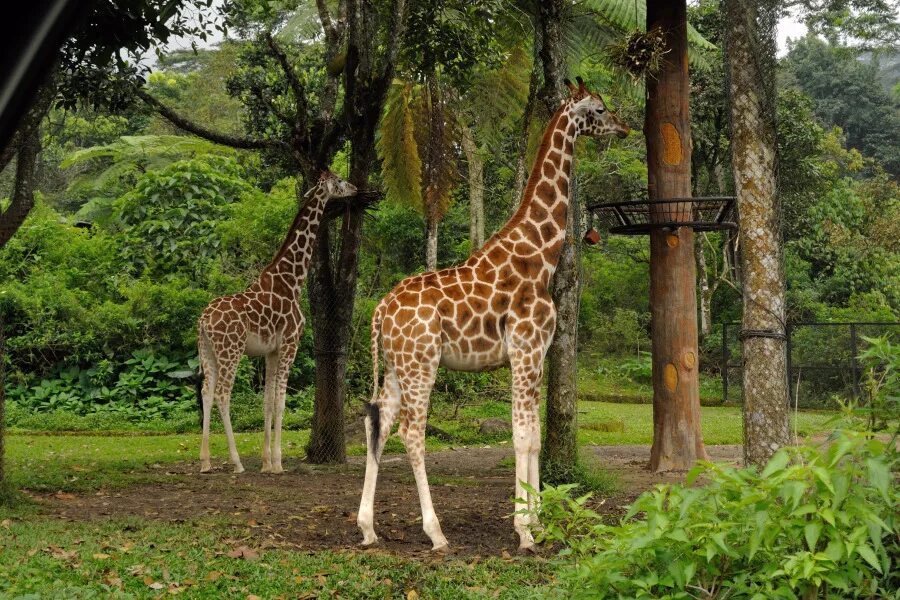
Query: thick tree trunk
[
  {"x": 750, "y": 35},
  {"x": 475, "y": 169},
  {"x": 333, "y": 276},
  {"x": 561, "y": 440},
  {"x": 677, "y": 440},
  {"x": 431, "y": 244},
  {"x": 560, "y": 448}
]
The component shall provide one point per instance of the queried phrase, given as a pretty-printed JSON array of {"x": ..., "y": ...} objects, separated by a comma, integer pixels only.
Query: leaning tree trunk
[
  {"x": 750, "y": 36},
  {"x": 475, "y": 164},
  {"x": 560, "y": 448},
  {"x": 677, "y": 440}
]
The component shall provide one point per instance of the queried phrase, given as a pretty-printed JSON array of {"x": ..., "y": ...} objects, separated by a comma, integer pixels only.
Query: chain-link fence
[{"x": 822, "y": 360}]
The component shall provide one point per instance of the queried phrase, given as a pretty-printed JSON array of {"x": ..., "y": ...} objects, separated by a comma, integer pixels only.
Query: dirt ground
[{"x": 314, "y": 508}]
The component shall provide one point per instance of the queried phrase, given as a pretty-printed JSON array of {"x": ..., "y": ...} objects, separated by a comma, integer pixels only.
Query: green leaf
[
  {"x": 777, "y": 463},
  {"x": 869, "y": 555},
  {"x": 879, "y": 476},
  {"x": 811, "y": 532}
]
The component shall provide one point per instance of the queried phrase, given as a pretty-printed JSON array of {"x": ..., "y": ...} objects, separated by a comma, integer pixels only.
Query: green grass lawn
[
  {"x": 44, "y": 557},
  {"x": 85, "y": 462},
  {"x": 134, "y": 558}
]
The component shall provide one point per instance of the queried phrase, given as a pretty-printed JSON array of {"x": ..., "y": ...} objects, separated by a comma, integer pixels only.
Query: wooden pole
[{"x": 677, "y": 441}]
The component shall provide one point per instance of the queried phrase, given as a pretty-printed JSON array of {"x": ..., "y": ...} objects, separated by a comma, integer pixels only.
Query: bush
[{"x": 813, "y": 521}]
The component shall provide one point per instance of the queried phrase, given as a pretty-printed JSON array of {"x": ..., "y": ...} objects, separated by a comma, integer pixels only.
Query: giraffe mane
[
  {"x": 535, "y": 177},
  {"x": 301, "y": 212}
]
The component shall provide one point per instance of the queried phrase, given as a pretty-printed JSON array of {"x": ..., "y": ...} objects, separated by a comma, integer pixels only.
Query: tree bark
[
  {"x": 750, "y": 41},
  {"x": 2, "y": 406},
  {"x": 677, "y": 440},
  {"x": 525, "y": 127},
  {"x": 560, "y": 448},
  {"x": 333, "y": 276},
  {"x": 22, "y": 200},
  {"x": 431, "y": 244},
  {"x": 475, "y": 164},
  {"x": 705, "y": 289}
]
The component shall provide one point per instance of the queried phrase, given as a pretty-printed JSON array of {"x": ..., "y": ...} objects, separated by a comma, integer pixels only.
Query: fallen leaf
[
  {"x": 252, "y": 523},
  {"x": 156, "y": 586},
  {"x": 412, "y": 595},
  {"x": 101, "y": 556},
  {"x": 5, "y": 523},
  {"x": 213, "y": 575},
  {"x": 244, "y": 552},
  {"x": 64, "y": 496},
  {"x": 253, "y": 597}
]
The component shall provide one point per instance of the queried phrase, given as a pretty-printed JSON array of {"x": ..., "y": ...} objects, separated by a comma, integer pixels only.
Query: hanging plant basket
[{"x": 640, "y": 54}]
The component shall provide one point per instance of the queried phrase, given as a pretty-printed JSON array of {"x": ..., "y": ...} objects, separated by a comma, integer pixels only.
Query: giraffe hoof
[
  {"x": 205, "y": 468},
  {"x": 266, "y": 469},
  {"x": 442, "y": 549},
  {"x": 528, "y": 550},
  {"x": 369, "y": 541},
  {"x": 238, "y": 469}
]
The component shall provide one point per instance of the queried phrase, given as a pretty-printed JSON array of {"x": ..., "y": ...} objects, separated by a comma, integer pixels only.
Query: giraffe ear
[{"x": 570, "y": 85}]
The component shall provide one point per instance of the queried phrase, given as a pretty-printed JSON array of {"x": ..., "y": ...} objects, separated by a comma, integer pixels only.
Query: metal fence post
[
  {"x": 854, "y": 366},
  {"x": 724, "y": 362}
]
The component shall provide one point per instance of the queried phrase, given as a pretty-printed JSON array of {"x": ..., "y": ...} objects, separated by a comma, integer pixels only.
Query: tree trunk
[
  {"x": 22, "y": 200},
  {"x": 525, "y": 127},
  {"x": 333, "y": 276},
  {"x": 2, "y": 405},
  {"x": 431, "y": 244},
  {"x": 677, "y": 440},
  {"x": 476, "y": 188},
  {"x": 560, "y": 448},
  {"x": 750, "y": 36},
  {"x": 705, "y": 289}
]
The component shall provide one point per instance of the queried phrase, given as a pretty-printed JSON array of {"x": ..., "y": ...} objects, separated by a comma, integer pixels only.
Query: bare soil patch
[{"x": 314, "y": 508}]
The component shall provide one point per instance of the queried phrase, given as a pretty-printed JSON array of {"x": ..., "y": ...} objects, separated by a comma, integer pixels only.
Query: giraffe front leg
[{"x": 526, "y": 428}]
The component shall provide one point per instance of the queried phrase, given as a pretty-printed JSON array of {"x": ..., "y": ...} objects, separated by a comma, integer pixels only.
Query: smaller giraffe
[{"x": 264, "y": 320}]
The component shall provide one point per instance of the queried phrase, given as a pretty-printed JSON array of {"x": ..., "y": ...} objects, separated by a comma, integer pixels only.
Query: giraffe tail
[
  {"x": 373, "y": 409},
  {"x": 198, "y": 385}
]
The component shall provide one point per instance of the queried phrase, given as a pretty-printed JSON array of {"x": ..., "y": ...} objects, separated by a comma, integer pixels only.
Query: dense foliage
[
  {"x": 811, "y": 521},
  {"x": 176, "y": 221}
]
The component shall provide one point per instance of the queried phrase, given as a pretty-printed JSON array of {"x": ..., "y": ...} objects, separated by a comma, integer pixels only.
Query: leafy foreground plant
[{"x": 813, "y": 524}]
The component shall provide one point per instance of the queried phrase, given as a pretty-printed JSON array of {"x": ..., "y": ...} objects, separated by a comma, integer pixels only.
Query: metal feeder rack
[{"x": 639, "y": 217}]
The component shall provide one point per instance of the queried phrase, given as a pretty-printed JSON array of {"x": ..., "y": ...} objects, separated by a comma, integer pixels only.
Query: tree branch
[
  {"x": 325, "y": 18},
  {"x": 296, "y": 85},
  {"x": 184, "y": 123}
]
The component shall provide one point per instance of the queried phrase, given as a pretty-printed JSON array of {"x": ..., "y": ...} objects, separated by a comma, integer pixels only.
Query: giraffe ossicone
[
  {"x": 491, "y": 311},
  {"x": 263, "y": 320}
]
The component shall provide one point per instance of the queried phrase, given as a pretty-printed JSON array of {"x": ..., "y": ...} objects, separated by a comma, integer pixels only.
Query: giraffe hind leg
[
  {"x": 387, "y": 405},
  {"x": 224, "y": 383},
  {"x": 209, "y": 368},
  {"x": 415, "y": 398},
  {"x": 268, "y": 409}
]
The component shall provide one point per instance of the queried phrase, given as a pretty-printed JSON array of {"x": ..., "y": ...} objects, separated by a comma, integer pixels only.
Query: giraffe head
[
  {"x": 334, "y": 186},
  {"x": 591, "y": 115}
]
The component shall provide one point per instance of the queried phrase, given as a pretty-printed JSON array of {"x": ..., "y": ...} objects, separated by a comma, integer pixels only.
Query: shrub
[{"x": 812, "y": 521}]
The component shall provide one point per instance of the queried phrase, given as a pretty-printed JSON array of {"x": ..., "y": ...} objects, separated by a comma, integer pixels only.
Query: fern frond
[
  {"x": 401, "y": 166},
  {"x": 498, "y": 96},
  {"x": 439, "y": 157}
]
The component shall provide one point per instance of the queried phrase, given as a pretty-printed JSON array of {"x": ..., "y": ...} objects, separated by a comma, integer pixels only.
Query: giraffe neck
[
  {"x": 291, "y": 263},
  {"x": 539, "y": 224}
]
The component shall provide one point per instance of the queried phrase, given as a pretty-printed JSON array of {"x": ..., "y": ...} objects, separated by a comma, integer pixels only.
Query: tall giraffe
[
  {"x": 264, "y": 320},
  {"x": 491, "y": 311}
]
